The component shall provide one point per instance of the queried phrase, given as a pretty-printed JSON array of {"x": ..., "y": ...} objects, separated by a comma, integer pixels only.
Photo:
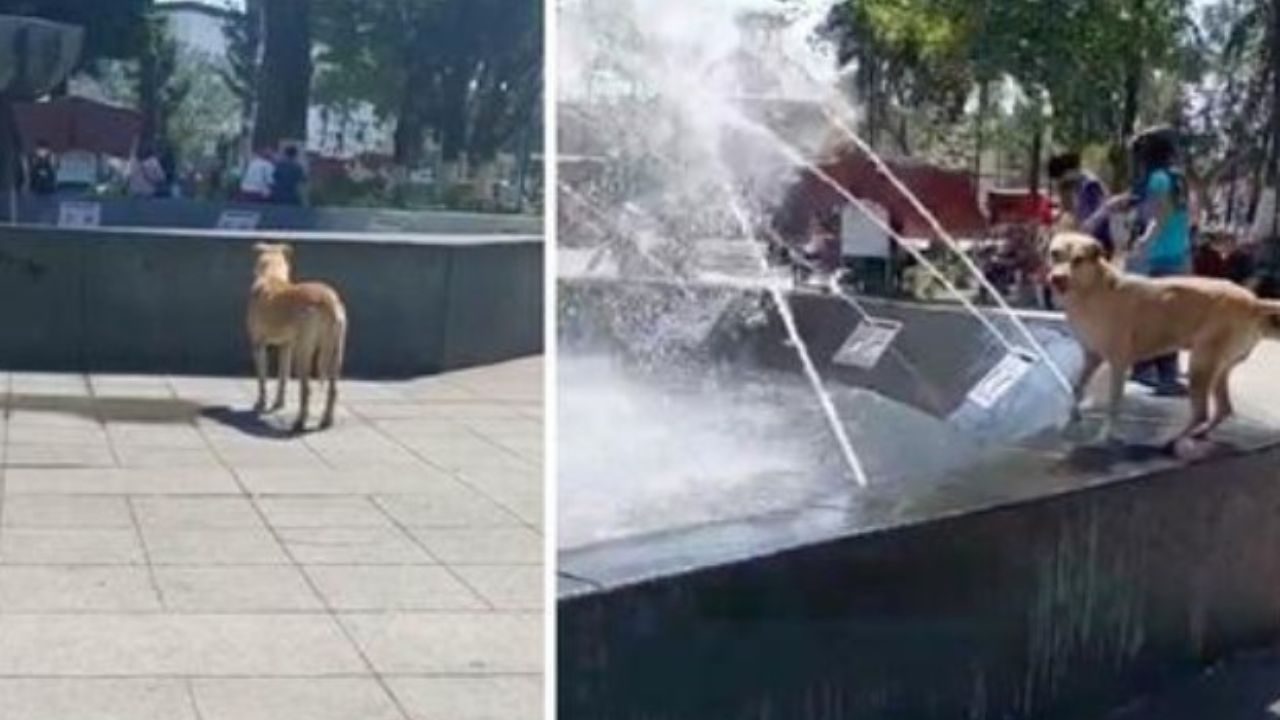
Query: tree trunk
[
  {"x": 413, "y": 120},
  {"x": 1258, "y": 176},
  {"x": 254, "y": 19},
  {"x": 284, "y": 88},
  {"x": 453, "y": 123},
  {"x": 410, "y": 135},
  {"x": 1133, "y": 79},
  {"x": 149, "y": 97},
  {"x": 877, "y": 107},
  {"x": 1033, "y": 173},
  {"x": 10, "y": 151},
  {"x": 1273, "y": 170},
  {"x": 984, "y": 99}
]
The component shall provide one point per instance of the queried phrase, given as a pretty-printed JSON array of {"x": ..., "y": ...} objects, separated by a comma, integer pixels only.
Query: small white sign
[
  {"x": 862, "y": 233},
  {"x": 77, "y": 167},
  {"x": 868, "y": 343},
  {"x": 1000, "y": 379},
  {"x": 238, "y": 220},
  {"x": 79, "y": 214}
]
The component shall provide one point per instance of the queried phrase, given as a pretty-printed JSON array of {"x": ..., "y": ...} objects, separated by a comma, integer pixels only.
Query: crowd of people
[
  {"x": 273, "y": 178},
  {"x": 1150, "y": 228},
  {"x": 268, "y": 177}
]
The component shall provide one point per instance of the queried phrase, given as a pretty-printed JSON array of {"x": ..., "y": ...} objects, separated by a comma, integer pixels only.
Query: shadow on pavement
[
  {"x": 112, "y": 409},
  {"x": 249, "y": 422}
]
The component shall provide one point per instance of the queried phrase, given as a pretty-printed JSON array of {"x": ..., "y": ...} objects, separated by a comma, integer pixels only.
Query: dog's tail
[
  {"x": 1269, "y": 311},
  {"x": 333, "y": 344}
]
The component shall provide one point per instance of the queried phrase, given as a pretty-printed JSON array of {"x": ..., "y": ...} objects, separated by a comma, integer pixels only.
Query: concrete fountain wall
[
  {"x": 1050, "y": 608},
  {"x": 1049, "y": 583},
  {"x": 174, "y": 301},
  {"x": 173, "y": 213}
]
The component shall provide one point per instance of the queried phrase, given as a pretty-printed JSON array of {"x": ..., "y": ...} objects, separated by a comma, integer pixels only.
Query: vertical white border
[{"x": 550, "y": 154}]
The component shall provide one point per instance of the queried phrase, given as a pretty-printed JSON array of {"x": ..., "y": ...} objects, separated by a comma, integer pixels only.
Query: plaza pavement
[{"x": 165, "y": 555}]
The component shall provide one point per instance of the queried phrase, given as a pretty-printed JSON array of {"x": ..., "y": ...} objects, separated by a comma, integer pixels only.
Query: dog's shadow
[
  {"x": 250, "y": 422},
  {"x": 1104, "y": 456}
]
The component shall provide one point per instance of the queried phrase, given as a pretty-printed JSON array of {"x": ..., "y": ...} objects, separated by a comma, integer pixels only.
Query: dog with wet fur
[
  {"x": 1121, "y": 319},
  {"x": 307, "y": 324}
]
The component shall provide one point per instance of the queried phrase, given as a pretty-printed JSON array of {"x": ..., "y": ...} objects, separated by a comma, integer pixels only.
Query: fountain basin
[
  {"x": 1023, "y": 578},
  {"x": 173, "y": 301}
]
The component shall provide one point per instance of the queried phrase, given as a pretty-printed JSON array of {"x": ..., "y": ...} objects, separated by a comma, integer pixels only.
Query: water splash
[{"x": 655, "y": 90}]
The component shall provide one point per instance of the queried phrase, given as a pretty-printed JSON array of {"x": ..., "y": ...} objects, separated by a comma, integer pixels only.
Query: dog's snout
[{"x": 1059, "y": 281}]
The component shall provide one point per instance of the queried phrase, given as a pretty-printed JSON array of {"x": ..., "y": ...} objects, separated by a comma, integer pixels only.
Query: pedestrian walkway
[{"x": 167, "y": 555}]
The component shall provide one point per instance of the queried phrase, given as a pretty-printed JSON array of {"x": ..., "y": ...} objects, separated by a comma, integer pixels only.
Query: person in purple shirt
[{"x": 1082, "y": 195}]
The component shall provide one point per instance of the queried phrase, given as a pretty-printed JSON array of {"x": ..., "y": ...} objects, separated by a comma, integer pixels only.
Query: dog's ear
[
  {"x": 287, "y": 249},
  {"x": 260, "y": 248},
  {"x": 1092, "y": 252}
]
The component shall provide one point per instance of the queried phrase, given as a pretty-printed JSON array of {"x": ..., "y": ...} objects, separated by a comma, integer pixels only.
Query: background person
[
  {"x": 43, "y": 171},
  {"x": 168, "y": 185},
  {"x": 1163, "y": 248},
  {"x": 255, "y": 184},
  {"x": 1210, "y": 256},
  {"x": 287, "y": 179},
  {"x": 1082, "y": 196},
  {"x": 145, "y": 174}
]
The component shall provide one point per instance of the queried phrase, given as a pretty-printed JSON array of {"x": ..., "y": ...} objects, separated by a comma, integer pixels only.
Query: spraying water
[
  {"x": 806, "y": 360},
  {"x": 655, "y": 90}
]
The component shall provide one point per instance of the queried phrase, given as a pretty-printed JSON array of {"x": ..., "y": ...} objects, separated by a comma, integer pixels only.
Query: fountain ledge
[{"x": 1049, "y": 582}]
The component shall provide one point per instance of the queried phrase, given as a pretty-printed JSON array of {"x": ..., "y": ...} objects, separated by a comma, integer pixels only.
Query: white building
[{"x": 198, "y": 26}]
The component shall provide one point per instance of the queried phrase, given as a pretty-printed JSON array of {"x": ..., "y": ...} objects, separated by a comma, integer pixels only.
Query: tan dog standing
[
  {"x": 305, "y": 321},
  {"x": 1123, "y": 319}
]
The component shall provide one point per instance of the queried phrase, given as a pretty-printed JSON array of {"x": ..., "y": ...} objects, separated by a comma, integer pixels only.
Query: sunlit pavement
[{"x": 167, "y": 555}]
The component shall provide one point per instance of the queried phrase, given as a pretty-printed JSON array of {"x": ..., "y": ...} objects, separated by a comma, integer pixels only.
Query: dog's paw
[
  {"x": 1077, "y": 432},
  {"x": 1082, "y": 431},
  {"x": 1190, "y": 448}
]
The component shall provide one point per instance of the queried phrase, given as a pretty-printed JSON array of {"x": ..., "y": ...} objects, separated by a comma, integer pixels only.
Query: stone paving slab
[{"x": 164, "y": 553}]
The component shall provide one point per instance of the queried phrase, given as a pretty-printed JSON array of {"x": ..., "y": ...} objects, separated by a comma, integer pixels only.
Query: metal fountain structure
[{"x": 35, "y": 56}]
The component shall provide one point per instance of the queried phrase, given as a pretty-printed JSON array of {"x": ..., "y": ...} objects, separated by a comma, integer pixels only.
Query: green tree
[
  {"x": 243, "y": 33},
  {"x": 1087, "y": 64},
  {"x": 159, "y": 87},
  {"x": 208, "y": 112},
  {"x": 467, "y": 71}
]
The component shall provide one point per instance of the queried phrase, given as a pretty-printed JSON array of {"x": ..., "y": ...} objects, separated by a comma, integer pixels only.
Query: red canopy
[
  {"x": 951, "y": 196},
  {"x": 76, "y": 123},
  {"x": 1008, "y": 206}
]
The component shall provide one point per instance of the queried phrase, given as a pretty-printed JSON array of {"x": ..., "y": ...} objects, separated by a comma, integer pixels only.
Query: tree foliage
[
  {"x": 159, "y": 88},
  {"x": 243, "y": 33},
  {"x": 467, "y": 72},
  {"x": 1088, "y": 64}
]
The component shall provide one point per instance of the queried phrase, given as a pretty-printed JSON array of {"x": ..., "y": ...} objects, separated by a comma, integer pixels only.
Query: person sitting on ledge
[
  {"x": 255, "y": 185},
  {"x": 288, "y": 179}
]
